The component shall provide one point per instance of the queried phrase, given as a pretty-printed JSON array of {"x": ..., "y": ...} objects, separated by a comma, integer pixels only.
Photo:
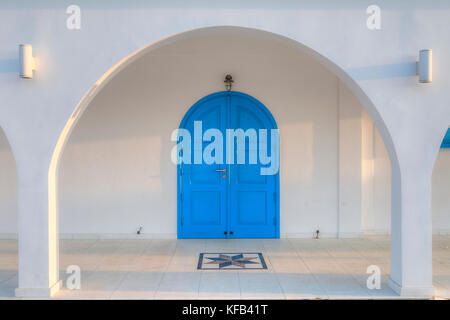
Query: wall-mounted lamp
[
  {"x": 228, "y": 82},
  {"x": 26, "y": 61},
  {"x": 425, "y": 66}
]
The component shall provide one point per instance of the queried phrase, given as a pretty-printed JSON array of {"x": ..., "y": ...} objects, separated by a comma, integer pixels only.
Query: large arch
[
  {"x": 121, "y": 65},
  {"x": 8, "y": 218}
]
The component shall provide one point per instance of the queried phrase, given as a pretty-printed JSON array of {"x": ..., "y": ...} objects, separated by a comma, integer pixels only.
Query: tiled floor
[{"x": 167, "y": 269}]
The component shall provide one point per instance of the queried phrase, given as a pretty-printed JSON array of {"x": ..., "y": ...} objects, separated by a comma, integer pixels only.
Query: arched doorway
[{"x": 231, "y": 194}]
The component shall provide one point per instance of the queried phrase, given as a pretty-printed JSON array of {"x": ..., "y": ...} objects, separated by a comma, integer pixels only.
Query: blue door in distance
[{"x": 231, "y": 199}]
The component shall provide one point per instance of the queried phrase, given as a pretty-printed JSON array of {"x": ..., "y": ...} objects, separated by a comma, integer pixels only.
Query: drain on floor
[{"x": 226, "y": 261}]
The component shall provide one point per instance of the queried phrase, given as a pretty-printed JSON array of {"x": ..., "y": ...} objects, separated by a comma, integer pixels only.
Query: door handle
[{"x": 221, "y": 170}]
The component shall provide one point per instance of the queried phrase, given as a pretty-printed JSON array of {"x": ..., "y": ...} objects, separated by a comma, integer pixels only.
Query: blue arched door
[{"x": 222, "y": 191}]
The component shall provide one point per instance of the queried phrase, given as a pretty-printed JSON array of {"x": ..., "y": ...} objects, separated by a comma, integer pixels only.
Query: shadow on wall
[{"x": 8, "y": 190}]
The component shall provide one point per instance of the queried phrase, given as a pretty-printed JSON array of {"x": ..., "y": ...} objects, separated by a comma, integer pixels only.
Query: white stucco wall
[
  {"x": 335, "y": 170},
  {"x": 379, "y": 66},
  {"x": 349, "y": 163}
]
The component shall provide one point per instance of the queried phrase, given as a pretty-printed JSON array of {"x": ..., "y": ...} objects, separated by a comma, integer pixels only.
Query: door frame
[{"x": 268, "y": 114}]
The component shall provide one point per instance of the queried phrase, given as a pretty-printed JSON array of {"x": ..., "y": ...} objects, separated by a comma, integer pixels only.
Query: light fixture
[
  {"x": 425, "y": 66},
  {"x": 26, "y": 61},
  {"x": 228, "y": 82}
]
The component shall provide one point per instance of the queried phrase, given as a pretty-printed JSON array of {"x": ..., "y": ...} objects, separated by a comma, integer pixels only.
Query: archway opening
[
  {"x": 116, "y": 178},
  {"x": 441, "y": 219},
  {"x": 8, "y": 219}
]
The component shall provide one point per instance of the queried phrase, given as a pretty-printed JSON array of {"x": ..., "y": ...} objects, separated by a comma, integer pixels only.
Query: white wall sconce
[
  {"x": 425, "y": 66},
  {"x": 27, "y": 62}
]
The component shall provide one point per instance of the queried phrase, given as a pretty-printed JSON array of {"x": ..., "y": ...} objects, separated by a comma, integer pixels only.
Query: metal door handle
[{"x": 221, "y": 170}]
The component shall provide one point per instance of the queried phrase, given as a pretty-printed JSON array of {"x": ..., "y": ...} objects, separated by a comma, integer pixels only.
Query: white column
[
  {"x": 38, "y": 237},
  {"x": 411, "y": 230}
]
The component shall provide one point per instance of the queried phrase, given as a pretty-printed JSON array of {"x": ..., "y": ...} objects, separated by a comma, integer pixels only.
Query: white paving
[{"x": 167, "y": 269}]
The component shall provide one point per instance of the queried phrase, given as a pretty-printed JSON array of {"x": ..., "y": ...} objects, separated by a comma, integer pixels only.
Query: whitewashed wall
[
  {"x": 379, "y": 66},
  {"x": 8, "y": 190}
]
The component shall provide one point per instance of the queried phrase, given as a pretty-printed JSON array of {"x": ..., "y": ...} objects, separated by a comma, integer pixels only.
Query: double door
[{"x": 229, "y": 198}]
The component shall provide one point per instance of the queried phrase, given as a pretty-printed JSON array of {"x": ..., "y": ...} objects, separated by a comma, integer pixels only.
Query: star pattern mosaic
[{"x": 222, "y": 261}]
